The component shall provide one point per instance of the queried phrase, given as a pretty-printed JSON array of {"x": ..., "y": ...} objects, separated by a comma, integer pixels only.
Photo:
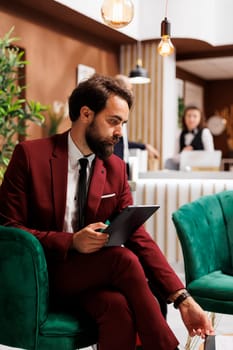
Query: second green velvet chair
[{"x": 205, "y": 231}]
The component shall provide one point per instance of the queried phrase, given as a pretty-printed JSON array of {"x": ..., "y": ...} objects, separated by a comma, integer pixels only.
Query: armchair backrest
[
  {"x": 226, "y": 201},
  {"x": 203, "y": 227},
  {"x": 23, "y": 287}
]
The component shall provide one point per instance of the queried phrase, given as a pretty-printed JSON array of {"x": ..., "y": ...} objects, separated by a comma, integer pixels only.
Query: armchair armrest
[{"x": 23, "y": 287}]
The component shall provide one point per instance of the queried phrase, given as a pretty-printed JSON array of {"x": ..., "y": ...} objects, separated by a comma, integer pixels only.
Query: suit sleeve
[{"x": 16, "y": 204}]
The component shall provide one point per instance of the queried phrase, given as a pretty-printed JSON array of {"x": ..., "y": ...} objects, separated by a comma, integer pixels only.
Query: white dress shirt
[
  {"x": 125, "y": 143},
  {"x": 72, "y": 182}
]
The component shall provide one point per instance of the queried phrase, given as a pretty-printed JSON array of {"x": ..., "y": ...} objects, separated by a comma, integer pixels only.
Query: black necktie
[{"x": 82, "y": 191}]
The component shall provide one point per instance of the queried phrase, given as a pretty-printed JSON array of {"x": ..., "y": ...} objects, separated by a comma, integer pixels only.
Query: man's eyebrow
[
  {"x": 116, "y": 116},
  {"x": 119, "y": 118}
]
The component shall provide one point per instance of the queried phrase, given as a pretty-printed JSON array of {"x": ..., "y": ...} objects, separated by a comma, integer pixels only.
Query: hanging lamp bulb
[
  {"x": 117, "y": 13},
  {"x": 165, "y": 47},
  {"x": 139, "y": 74}
]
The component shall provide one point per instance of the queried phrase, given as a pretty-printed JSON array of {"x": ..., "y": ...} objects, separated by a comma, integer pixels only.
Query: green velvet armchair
[
  {"x": 25, "y": 318},
  {"x": 205, "y": 231}
]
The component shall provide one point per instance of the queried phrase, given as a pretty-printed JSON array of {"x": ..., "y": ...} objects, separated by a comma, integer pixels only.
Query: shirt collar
[
  {"x": 194, "y": 131},
  {"x": 75, "y": 154}
]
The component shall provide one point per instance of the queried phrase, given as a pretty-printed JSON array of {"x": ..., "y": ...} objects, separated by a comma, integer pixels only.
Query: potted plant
[
  {"x": 57, "y": 112},
  {"x": 15, "y": 110}
]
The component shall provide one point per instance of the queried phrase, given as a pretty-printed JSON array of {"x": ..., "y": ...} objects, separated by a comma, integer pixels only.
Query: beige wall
[
  {"x": 53, "y": 53},
  {"x": 143, "y": 123}
]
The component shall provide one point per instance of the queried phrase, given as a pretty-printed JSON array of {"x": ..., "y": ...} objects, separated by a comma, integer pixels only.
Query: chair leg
[
  {"x": 188, "y": 343},
  {"x": 213, "y": 318}
]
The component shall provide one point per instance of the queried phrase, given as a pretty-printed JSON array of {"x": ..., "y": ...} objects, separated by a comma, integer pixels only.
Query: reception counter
[{"x": 171, "y": 189}]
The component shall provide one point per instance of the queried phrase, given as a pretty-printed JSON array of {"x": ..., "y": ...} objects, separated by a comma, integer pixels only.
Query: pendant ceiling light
[
  {"x": 117, "y": 13},
  {"x": 165, "y": 47},
  {"x": 139, "y": 75}
]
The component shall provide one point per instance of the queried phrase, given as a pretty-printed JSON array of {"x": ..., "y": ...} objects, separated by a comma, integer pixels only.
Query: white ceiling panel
[{"x": 209, "y": 68}]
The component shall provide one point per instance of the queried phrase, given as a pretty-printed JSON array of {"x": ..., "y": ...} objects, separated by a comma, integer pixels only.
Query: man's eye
[{"x": 113, "y": 121}]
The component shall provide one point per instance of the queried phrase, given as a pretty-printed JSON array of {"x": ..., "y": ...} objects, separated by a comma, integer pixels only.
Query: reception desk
[{"x": 171, "y": 189}]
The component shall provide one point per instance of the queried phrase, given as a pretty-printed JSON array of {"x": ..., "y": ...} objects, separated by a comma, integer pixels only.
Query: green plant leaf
[{"x": 15, "y": 110}]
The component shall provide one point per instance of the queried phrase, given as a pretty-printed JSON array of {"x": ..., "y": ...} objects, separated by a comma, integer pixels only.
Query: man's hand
[
  {"x": 88, "y": 240},
  {"x": 195, "y": 318}
]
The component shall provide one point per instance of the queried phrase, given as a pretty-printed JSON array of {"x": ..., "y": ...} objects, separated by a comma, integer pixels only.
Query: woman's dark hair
[
  {"x": 94, "y": 93},
  {"x": 202, "y": 123}
]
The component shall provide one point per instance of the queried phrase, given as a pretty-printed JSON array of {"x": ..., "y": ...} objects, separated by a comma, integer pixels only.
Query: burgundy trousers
[{"x": 112, "y": 288}]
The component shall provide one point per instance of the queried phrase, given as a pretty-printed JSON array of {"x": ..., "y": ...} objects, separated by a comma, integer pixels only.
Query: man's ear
[{"x": 86, "y": 114}]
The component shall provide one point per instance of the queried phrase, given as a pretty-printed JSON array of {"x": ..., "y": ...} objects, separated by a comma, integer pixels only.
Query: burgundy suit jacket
[{"x": 33, "y": 197}]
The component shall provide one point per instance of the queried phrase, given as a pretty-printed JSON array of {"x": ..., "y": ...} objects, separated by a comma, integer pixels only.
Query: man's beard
[{"x": 103, "y": 148}]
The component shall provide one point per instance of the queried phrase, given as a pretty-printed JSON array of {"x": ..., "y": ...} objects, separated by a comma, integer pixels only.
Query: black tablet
[{"x": 127, "y": 222}]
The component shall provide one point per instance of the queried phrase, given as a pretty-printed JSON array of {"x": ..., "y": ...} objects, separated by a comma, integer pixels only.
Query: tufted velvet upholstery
[
  {"x": 205, "y": 231},
  {"x": 25, "y": 319}
]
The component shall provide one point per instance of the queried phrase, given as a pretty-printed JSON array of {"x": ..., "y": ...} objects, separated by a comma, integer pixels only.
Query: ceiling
[
  {"x": 204, "y": 60},
  {"x": 194, "y": 56},
  {"x": 216, "y": 68}
]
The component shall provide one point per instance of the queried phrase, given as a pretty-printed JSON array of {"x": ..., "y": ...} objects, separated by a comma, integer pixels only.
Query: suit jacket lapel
[{"x": 59, "y": 171}]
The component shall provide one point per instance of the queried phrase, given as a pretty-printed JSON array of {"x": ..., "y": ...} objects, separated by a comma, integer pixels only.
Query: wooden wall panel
[
  {"x": 144, "y": 123},
  {"x": 53, "y": 53},
  {"x": 219, "y": 101}
]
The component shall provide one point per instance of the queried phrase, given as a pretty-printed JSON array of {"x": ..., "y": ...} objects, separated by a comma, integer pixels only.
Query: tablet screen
[{"x": 127, "y": 222}]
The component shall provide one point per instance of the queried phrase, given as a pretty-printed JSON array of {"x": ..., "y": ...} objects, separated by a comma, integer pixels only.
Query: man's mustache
[
  {"x": 116, "y": 139},
  {"x": 113, "y": 140}
]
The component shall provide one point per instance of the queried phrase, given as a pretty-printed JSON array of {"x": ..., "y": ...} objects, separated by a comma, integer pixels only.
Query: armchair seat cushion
[
  {"x": 61, "y": 324},
  {"x": 215, "y": 285},
  {"x": 64, "y": 331}
]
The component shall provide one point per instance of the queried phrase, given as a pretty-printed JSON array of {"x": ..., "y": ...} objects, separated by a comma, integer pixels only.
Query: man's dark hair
[{"x": 94, "y": 93}]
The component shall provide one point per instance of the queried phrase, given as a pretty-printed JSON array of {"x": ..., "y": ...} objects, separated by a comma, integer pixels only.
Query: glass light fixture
[
  {"x": 139, "y": 74},
  {"x": 165, "y": 46},
  {"x": 117, "y": 13}
]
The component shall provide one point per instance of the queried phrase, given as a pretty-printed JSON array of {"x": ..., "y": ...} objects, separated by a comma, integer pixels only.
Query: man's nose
[{"x": 118, "y": 131}]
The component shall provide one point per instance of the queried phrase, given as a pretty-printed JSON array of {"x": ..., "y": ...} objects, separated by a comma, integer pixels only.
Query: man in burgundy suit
[{"x": 109, "y": 283}]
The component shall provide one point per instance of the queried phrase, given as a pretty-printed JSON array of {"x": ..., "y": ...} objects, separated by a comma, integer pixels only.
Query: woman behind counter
[{"x": 194, "y": 134}]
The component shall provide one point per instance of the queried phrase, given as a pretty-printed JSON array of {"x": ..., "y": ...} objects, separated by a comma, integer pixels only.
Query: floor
[{"x": 224, "y": 324}]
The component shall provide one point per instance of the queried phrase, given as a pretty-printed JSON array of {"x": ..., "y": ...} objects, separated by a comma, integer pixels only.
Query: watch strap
[{"x": 184, "y": 295}]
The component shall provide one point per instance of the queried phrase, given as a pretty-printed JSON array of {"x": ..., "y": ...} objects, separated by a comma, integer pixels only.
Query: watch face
[{"x": 216, "y": 124}]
